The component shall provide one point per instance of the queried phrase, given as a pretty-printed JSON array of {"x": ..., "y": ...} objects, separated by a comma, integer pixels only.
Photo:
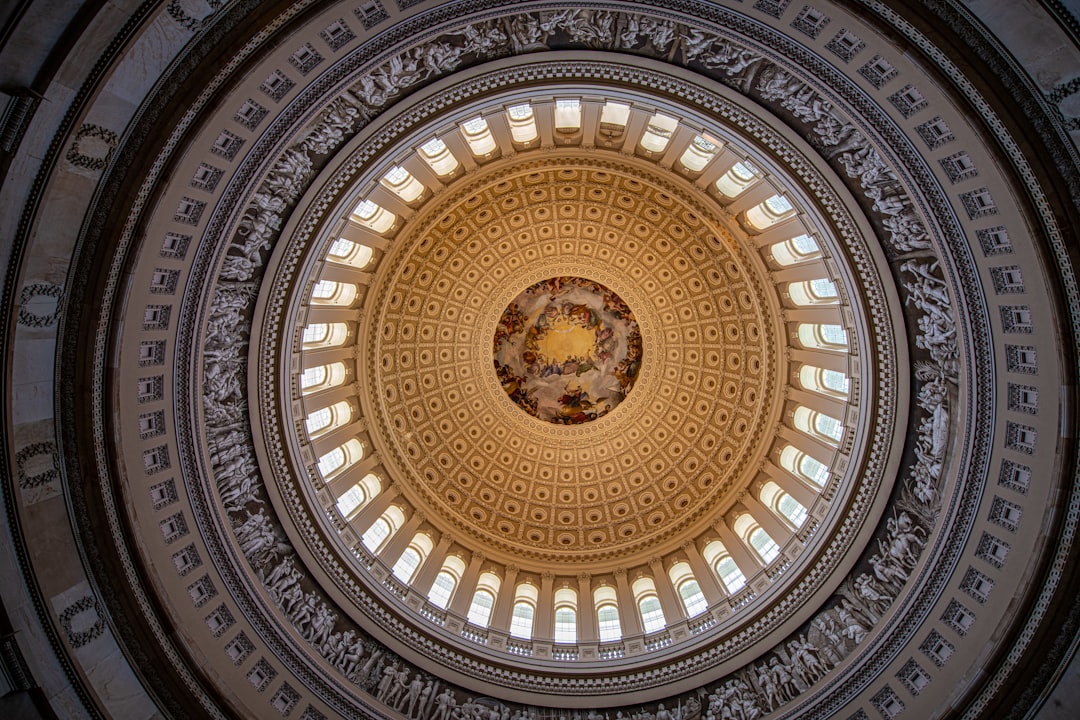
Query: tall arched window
[
  {"x": 446, "y": 581},
  {"x": 755, "y": 536},
  {"x": 565, "y": 615},
  {"x": 724, "y": 566},
  {"x": 658, "y": 132},
  {"x": 322, "y": 377},
  {"x": 413, "y": 557},
  {"x": 774, "y": 210},
  {"x": 800, "y": 464},
  {"x": 478, "y": 136},
  {"x": 813, "y": 292},
  {"x": 323, "y": 420},
  {"x": 607, "y": 613},
  {"x": 438, "y": 157},
  {"x": 648, "y": 603},
  {"x": 822, "y": 336},
  {"x": 818, "y": 424},
  {"x": 355, "y": 498},
  {"x": 334, "y": 462},
  {"x": 333, "y": 293},
  {"x": 373, "y": 216},
  {"x": 522, "y": 123},
  {"x": 483, "y": 600},
  {"x": 383, "y": 529},
  {"x": 737, "y": 179},
  {"x": 348, "y": 252},
  {"x": 699, "y": 153},
  {"x": 521, "y": 618},
  {"x": 684, "y": 582},
  {"x": 783, "y": 504},
  {"x": 402, "y": 183},
  {"x": 320, "y": 335},
  {"x": 825, "y": 382},
  {"x": 796, "y": 250}
]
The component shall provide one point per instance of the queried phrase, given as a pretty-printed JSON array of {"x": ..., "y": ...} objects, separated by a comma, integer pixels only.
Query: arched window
[
  {"x": 333, "y": 293},
  {"x": 701, "y": 150},
  {"x": 737, "y": 179},
  {"x": 658, "y": 132},
  {"x": 770, "y": 212},
  {"x": 325, "y": 419},
  {"x": 383, "y": 529},
  {"x": 402, "y": 183},
  {"x": 359, "y": 495},
  {"x": 825, "y": 382},
  {"x": 438, "y": 157},
  {"x": 783, "y": 504},
  {"x": 478, "y": 136},
  {"x": 322, "y": 377},
  {"x": 567, "y": 115},
  {"x": 813, "y": 292},
  {"x": 648, "y": 603},
  {"x": 607, "y": 613},
  {"x": 565, "y": 615},
  {"x": 319, "y": 335},
  {"x": 724, "y": 566},
  {"x": 522, "y": 123},
  {"x": 819, "y": 425},
  {"x": 341, "y": 457},
  {"x": 373, "y": 216},
  {"x": 822, "y": 336},
  {"x": 800, "y": 464},
  {"x": 521, "y": 618},
  {"x": 487, "y": 589},
  {"x": 613, "y": 117},
  {"x": 755, "y": 536},
  {"x": 796, "y": 250},
  {"x": 683, "y": 580},
  {"x": 446, "y": 581},
  {"x": 347, "y": 252},
  {"x": 412, "y": 557}
]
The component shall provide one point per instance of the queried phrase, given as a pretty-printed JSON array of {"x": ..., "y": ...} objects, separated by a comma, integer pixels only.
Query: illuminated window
[
  {"x": 658, "y": 132},
  {"x": 802, "y": 465},
  {"x": 798, "y": 249},
  {"x": 446, "y": 581},
  {"x": 320, "y": 335},
  {"x": 699, "y": 152},
  {"x": 783, "y": 504},
  {"x": 649, "y": 608},
  {"x": 683, "y": 580},
  {"x": 770, "y": 212},
  {"x": 438, "y": 157},
  {"x": 521, "y": 618},
  {"x": 826, "y": 382},
  {"x": 613, "y": 118},
  {"x": 326, "y": 419},
  {"x": 401, "y": 182},
  {"x": 359, "y": 495},
  {"x": 822, "y": 336},
  {"x": 341, "y": 457},
  {"x": 567, "y": 116},
  {"x": 480, "y": 608},
  {"x": 522, "y": 123},
  {"x": 813, "y": 292},
  {"x": 347, "y": 252},
  {"x": 737, "y": 180},
  {"x": 818, "y": 424},
  {"x": 607, "y": 613},
  {"x": 373, "y": 216},
  {"x": 383, "y": 529},
  {"x": 322, "y": 377},
  {"x": 478, "y": 136},
  {"x": 764, "y": 545},
  {"x": 412, "y": 557},
  {"x": 487, "y": 589},
  {"x": 565, "y": 615},
  {"x": 724, "y": 566}
]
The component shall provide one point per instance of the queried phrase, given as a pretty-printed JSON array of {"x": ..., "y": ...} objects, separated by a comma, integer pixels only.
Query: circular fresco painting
[{"x": 567, "y": 350}]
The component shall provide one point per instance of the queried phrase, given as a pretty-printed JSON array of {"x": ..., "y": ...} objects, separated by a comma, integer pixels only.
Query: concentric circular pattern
[
  {"x": 567, "y": 350},
  {"x": 672, "y": 450}
]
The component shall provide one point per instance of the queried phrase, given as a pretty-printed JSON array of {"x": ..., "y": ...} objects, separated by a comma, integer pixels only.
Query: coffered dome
[{"x": 482, "y": 359}]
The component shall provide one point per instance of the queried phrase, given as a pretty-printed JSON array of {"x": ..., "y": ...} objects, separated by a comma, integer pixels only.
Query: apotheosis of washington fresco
[{"x": 567, "y": 350}]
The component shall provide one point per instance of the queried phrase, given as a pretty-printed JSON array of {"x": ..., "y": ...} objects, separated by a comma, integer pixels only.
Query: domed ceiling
[{"x": 517, "y": 361}]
